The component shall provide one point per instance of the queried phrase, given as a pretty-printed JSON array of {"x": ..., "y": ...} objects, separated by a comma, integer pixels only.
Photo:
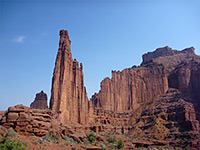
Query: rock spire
[{"x": 68, "y": 94}]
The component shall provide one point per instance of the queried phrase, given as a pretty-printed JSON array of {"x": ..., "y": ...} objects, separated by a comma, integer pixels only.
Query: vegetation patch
[{"x": 8, "y": 144}]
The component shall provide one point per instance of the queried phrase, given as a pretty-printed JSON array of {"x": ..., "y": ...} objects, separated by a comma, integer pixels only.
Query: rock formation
[
  {"x": 160, "y": 100},
  {"x": 167, "y": 51},
  {"x": 29, "y": 121},
  {"x": 68, "y": 94},
  {"x": 40, "y": 101},
  {"x": 170, "y": 117},
  {"x": 126, "y": 90},
  {"x": 162, "y": 69}
]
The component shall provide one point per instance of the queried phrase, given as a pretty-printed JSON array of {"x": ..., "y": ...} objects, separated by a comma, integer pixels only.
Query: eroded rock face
[
  {"x": 128, "y": 89},
  {"x": 28, "y": 121},
  {"x": 40, "y": 101},
  {"x": 162, "y": 69},
  {"x": 68, "y": 94},
  {"x": 164, "y": 52},
  {"x": 170, "y": 117}
]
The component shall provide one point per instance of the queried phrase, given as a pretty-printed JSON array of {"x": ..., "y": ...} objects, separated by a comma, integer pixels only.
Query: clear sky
[{"x": 106, "y": 35}]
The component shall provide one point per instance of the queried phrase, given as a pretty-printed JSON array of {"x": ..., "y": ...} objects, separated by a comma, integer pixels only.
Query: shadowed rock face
[
  {"x": 68, "y": 94},
  {"x": 40, "y": 101}
]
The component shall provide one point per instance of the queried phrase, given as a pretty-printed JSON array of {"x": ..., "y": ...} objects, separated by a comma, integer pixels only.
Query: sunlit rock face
[
  {"x": 68, "y": 94},
  {"x": 161, "y": 69}
]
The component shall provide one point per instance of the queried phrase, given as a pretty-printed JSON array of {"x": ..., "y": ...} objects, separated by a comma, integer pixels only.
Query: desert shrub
[
  {"x": 84, "y": 146},
  {"x": 74, "y": 148},
  {"x": 112, "y": 146},
  {"x": 103, "y": 147},
  {"x": 10, "y": 132},
  {"x": 47, "y": 137},
  {"x": 91, "y": 137},
  {"x": 55, "y": 138},
  {"x": 64, "y": 144},
  {"x": 35, "y": 142},
  {"x": 112, "y": 139},
  {"x": 50, "y": 136},
  {"x": 86, "y": 142},
  {"x": 68, "y": 139},
  {"x": 6, "y": 113},
  {"x": 8, "y": 144},
  {"x": 120, "y": 144},
  {"x": 131, "y": 147},
  {"x": 127, "y": 135},
  {"x": 25, "y": 143},
  {"x": 187, "y": 148}
]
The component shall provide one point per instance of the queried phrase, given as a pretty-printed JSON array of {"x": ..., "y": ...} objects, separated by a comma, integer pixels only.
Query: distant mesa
[{"x": 40, "y": 101}]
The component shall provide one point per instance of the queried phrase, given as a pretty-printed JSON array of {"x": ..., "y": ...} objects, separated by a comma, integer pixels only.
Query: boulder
[{"x": 12, "y": 116}]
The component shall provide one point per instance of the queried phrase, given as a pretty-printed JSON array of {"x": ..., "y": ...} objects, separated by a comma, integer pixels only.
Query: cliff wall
[{"x": 128, "y": 89}]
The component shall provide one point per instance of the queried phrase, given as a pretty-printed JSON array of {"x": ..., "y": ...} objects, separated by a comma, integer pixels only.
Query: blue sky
[{"x": 105, "y": 35}]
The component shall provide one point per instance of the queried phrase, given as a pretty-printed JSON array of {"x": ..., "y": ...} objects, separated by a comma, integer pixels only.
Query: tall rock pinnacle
[{"x": 68, "y": 94}]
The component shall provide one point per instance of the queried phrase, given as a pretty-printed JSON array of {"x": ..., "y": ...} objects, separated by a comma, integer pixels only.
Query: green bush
[
  {"x": 84, "y": 146},
  {"x": 91, "y": 137},
  {"x": 112, "y": 139},
  {"x": 10, "y": 132},
  {"x": 120, "y": 144},
  {"x": 69, "y": 139},
  {"x": 8, "y": 144},
  {"x": 131, "y": 147},
  {"x": 103, "y": 147},
  {"x": 112, "y": 146},
  {"x": 64, "y": 144},
  {"x": 50, "y": 136}
]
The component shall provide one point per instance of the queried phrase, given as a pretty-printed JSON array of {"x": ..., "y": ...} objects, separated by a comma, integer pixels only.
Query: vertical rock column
[{"x": 68, "y": 94}]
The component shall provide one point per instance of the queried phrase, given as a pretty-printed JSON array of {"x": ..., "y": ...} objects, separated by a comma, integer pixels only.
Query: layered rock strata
[
  {"x": 128, "y": 89},
  {"x": 162, "y": 69},
  {"x": 170, "y": 117},
  {"x": 40, "y": 101},
  {"x": 28, "y": 121},
  {"x": 68, "y": 94}
]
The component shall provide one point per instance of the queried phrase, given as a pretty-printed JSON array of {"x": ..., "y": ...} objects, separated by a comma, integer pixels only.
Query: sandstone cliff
[
  {"x": 68, "y": 94},
  {"x": 126, "y": 90},
  {"x": 162, "y": 69},
  {"x": 170, "y": 117},
  {"x": 40, "y": 101}
]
